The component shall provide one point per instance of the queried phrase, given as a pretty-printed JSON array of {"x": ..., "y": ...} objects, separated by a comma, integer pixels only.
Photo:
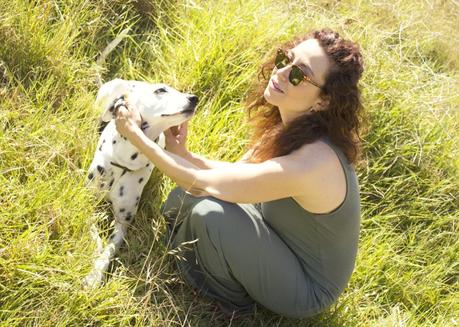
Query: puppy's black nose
[{"x": 193, "y": 100}]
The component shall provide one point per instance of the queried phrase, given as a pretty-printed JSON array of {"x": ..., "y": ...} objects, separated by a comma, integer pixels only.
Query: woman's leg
[
  {"x": 237, "y": 257},
  {"x": 176, "y": 208}
]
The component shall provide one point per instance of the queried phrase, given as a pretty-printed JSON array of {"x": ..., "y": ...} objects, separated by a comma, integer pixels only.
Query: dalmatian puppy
[{"x": 118, "y": 168}]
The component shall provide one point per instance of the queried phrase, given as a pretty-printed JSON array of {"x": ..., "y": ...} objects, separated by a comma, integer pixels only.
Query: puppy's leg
[
  {"x": 106, "y": 254},
  {"x": 95, "y": 277},
  {"x": 125, "y": 196},
  {"x": 98, "y": 173}
]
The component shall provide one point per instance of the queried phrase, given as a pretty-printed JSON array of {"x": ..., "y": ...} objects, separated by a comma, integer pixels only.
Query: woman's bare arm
[
  {"x": 176, "y": 143},
  {"x": 203, "y": 162},
  {"x": 235, "y": 182},
  {"x": 272, "y": 179}
]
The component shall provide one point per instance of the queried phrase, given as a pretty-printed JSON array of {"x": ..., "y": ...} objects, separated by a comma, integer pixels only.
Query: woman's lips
[{"x": 276, "y": 87}]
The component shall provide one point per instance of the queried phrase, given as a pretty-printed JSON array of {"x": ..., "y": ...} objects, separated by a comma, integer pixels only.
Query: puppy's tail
[{"x": 108, "y": 49}]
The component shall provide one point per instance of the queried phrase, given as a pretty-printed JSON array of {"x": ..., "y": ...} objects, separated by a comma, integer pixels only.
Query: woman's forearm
[
  {"x": 202, "y": 162},
  {"x": 178, "y": 168}
]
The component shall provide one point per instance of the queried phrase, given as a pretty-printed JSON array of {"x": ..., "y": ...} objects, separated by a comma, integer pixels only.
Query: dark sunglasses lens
[
  {"x": 281, "y": 59},
  {"x": 296, "y": 75}
]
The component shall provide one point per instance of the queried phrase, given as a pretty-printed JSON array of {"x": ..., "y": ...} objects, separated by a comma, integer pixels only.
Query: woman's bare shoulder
[
  {"x": 318, "y": 152},
  {"x": 246, "y": 156},
  {"x": 315, "y": 152},
  {"x": 325, "y": 173}
]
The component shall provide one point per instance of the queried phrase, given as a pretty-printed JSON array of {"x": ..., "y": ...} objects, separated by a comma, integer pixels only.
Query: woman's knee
[
  {"x": 180, "y": 204},
  {"x": 174, "y": 201},
  {"x": 208, "y": 212}
]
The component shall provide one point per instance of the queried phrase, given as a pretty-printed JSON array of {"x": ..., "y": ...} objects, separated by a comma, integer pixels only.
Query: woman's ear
[{"x": 321, "y": 104}]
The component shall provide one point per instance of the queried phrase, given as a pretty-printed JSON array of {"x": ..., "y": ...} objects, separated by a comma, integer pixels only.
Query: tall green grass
[{"x": 407, "y": 265}]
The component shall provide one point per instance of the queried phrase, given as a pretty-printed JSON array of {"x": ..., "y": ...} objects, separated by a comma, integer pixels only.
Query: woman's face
[{"x": 290, "y": 99}]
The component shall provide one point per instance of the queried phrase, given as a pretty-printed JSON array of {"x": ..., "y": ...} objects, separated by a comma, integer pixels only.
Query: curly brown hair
[{"x": 340, "y": 120}]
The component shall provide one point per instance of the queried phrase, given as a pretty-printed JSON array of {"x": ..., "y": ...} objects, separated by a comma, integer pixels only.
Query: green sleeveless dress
[{"x": 276, "y": 253}]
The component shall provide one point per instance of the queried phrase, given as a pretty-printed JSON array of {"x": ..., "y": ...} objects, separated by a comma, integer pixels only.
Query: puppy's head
[{"x": 160, "y": 105}]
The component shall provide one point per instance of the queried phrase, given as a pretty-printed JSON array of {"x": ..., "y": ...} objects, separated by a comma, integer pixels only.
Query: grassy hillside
[{"x": 407, "y": 265}]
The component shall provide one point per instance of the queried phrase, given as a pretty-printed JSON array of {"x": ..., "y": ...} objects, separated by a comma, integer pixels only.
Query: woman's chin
[{"x": 270, "y": 97}]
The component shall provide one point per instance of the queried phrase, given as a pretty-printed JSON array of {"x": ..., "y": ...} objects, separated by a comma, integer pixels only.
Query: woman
[{"x": 294, "y": 253}]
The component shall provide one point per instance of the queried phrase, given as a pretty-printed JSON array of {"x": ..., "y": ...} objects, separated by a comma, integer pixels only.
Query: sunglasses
[{"x": 297, "y": 75}]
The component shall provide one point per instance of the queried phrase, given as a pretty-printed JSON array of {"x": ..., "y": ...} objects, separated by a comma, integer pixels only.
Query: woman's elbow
[{"x": 217, "y": 188}]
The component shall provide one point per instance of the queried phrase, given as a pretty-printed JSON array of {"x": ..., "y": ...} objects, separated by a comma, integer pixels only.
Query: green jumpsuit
[{"x": 277, "y": 254}]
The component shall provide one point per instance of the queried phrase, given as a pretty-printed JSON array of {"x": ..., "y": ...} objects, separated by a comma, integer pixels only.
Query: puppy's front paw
[{"x": 93, "y": 280}]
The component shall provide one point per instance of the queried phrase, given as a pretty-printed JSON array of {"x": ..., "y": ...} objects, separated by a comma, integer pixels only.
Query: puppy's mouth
[
  {"x": 189, "y": 109},
  {"x": 188, "y": 112}
]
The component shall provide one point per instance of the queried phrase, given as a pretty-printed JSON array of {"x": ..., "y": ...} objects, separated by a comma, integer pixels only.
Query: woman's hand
[
  {"x": 128, "y": 120},
  {"x": 176, "y": 139}
]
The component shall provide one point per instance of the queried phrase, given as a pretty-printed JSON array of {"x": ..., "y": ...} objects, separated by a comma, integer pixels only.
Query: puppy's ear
[{"x": 108, "y": 94}]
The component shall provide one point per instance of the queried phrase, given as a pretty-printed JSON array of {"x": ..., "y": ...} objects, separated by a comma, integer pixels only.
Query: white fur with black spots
[{"x": 118, "y": 168}]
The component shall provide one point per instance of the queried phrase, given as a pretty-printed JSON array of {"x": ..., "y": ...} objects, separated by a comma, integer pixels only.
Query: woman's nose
[{"x": 283, "y": 72}]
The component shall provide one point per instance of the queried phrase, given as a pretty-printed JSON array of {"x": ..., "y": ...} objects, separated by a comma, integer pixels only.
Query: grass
[{"x": 407, "y": 265}]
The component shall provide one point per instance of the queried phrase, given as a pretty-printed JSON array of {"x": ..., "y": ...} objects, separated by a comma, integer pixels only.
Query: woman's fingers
[
  {"x": 134, "y": 115},
  {"x": 128, "y": 119},
  {"x": 184, "y": 129},
  {"x": 122, "y": 113},
  {"x": 175, "y": 130},
  {"x": 128, "y": 113}
]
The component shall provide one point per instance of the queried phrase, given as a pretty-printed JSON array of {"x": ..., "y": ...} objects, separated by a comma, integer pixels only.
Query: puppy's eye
[{"x": 161, "y": 90}]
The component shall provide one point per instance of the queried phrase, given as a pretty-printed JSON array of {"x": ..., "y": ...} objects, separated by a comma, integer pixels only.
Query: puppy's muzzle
[
  {"x": 193, "y": 99},
  {"x": 189, "y": 109}
]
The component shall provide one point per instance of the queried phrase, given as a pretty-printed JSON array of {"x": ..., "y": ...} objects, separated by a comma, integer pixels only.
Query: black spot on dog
[
  {"x": 100, "y": 148},
  {"x": 140, "y": 180},
  {"x": 148, "y": 165},
  {"x": 128, "y": 216},
  {"x": 124, "y": 138},
  {"x": 137, "y": 198},
  {"x": 134, "y": 156},
  {"x": 103, "y": 141},
  {"x": 122, "y": 210},
  {"x": 100, "y": 169},
  {"x": 102, "y": 185},
  {"x": 111, "y": 183},
  {"x": 124, "y": 172},
  {"x": 114, "y": 142},
  {"x": 90, "y": 176},
  {"x": 102, "y": 125},
  {"x": 121, "y": 190}
]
